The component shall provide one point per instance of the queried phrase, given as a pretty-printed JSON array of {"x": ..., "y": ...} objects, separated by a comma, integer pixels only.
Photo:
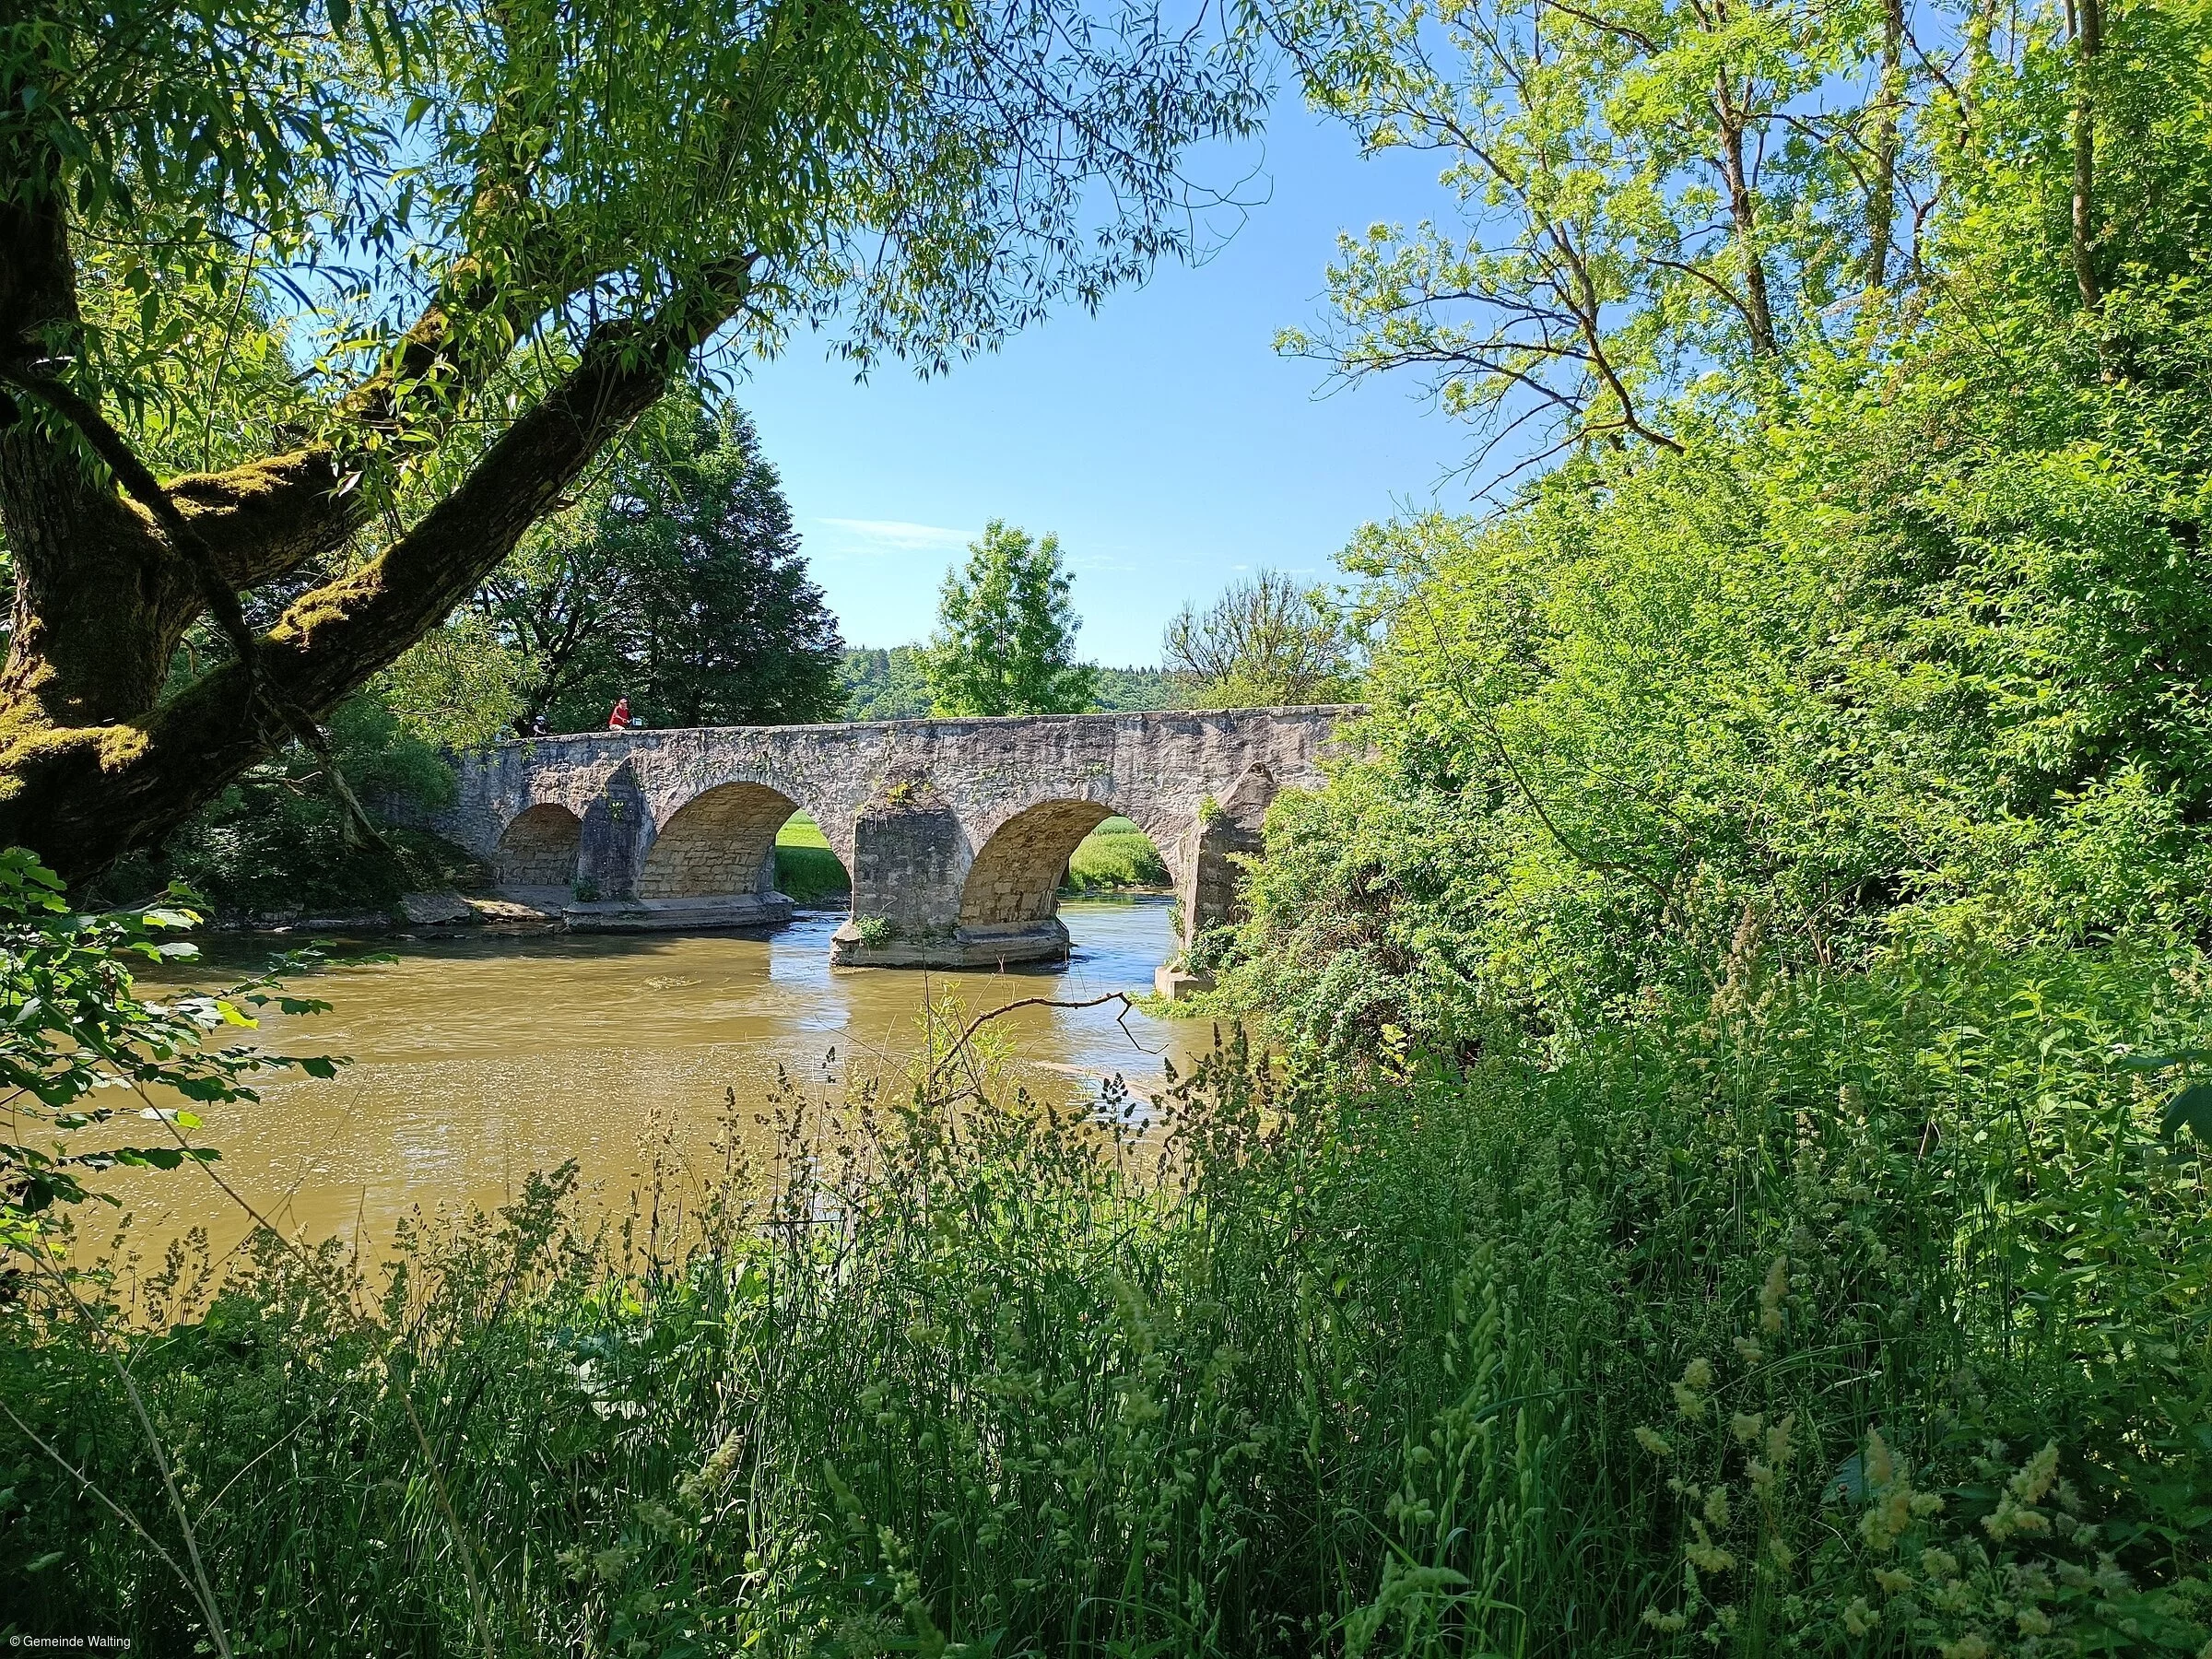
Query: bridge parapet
[{"x": 955, "y": 832}]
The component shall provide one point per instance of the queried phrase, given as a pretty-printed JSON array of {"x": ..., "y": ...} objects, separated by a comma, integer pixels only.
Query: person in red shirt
[{"x": 620, "y": 717}]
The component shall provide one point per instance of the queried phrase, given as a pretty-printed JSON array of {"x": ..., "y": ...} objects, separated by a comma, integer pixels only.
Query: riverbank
[{"x": 1726, "y": 1330}]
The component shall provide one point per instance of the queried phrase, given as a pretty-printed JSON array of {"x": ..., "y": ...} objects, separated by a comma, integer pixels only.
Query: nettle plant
[
  {"x": 1989, "y": 1550},
  {"x": 82, "y": 1050}
]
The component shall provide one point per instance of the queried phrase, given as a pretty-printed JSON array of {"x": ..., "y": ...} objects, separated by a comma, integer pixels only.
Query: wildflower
[
  {"x": 1881, "y": 1464},
  {"x": 1667, "y": 1624},
  {"x": 1716, "y": 1506},
  {"x": 1783, "y": 1555},
  {"x": 2108, "y": 1578},
  {"x": 1762, "y": 1478},
  {"x": 1777, "y": 1441},
  {"x": 2012, "y": 1516},
  {"x": 1649, "y": 1439},
  {"x": 1937, "y": 1563},
  {"x": 1971, "y": 1645},
  {"x": 2033, "y": 1621},
  {"x": 1702, "y": 1553},
  {"x": 1770, "y": 1295},
  {"x": 1690, "y": 1393},
  {"x": 1859, "y": 1618},
  {"x": 1890, "y": 1514},
  {"x": 1892, "y": 1582},
  {"x": 1748, "y": 1351},
  {"x": 1746, "y": 1427},
  {"x": 2036, "y": 1474},
  {"x": 709, "y": 1477}
]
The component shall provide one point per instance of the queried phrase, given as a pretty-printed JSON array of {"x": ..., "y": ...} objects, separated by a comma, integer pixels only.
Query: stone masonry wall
[
  {"x": 660, "y": 819},
  {"x": 721, "y": 842}
]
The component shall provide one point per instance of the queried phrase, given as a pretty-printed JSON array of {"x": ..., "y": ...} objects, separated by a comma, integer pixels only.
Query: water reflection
[{"x": 480, "y": 1060}]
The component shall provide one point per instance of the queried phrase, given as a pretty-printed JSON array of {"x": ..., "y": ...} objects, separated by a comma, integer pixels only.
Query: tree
[
  {"x": 506, "y": 232},
  {"x": 1652, "y": 191},
  {"x": 678, "y": 582},
  {"x": 459, "y": 686},
  {"x": 1919, "y": 653},
  {"x": 887, "y": 685},
  {"x": 1005, "y": 639},
  {"x": 1264, "y": 642}
]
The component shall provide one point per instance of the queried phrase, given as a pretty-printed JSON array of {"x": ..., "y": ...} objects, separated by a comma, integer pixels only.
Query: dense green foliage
[
  {"x": 281, "y": 843},
  {"x": 1006, "y": 637},
  {"x": 885, "y": 683},
  {"x": 1919, "y": 649},
  {"x": 678, "y": 582},
  {"x": 1458, "y": 1364},
  {"x": 890, "y": 685},
  {"x": 1134, "y": 690}
]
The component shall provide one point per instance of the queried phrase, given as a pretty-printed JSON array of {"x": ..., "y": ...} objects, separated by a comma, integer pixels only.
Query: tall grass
[
  {"x": 1115, "y": 855},
  {"x": 1863, "y": 1316}
]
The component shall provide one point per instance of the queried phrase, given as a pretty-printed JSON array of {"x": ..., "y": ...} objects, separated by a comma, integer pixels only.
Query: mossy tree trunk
[{"x": 114, "y": 567}]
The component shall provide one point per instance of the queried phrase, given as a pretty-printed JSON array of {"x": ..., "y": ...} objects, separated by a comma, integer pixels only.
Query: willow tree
[{"x": 488, "y": 234}]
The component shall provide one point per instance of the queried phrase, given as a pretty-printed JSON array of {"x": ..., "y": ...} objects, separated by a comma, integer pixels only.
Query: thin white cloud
[{"x": 894, "y": 536}]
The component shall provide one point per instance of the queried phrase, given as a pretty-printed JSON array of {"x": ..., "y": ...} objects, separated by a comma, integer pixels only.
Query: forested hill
[{"x": 889, "y": 684}]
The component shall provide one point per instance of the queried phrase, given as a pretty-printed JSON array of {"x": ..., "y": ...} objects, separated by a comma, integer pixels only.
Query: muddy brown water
[{"x": 476, "y": 1061}]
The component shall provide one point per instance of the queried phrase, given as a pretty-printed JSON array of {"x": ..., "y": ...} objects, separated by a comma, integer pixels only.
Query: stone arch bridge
[{"x": 955, "y": 832}]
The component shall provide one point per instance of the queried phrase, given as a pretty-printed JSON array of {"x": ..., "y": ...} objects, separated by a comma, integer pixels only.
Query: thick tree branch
[{"x": 83, "y": 797}]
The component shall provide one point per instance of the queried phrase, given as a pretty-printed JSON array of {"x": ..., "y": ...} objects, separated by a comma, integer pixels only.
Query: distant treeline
[{"x": 890, "y": 685}]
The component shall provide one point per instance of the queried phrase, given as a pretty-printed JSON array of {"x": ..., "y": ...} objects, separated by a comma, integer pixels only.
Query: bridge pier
[{"x": 955, "y": 832}]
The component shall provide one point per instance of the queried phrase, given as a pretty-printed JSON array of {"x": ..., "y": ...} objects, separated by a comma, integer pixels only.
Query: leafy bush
[
  {"x": 279, "y": 841},
  {"x": 80, "y": 1048}
]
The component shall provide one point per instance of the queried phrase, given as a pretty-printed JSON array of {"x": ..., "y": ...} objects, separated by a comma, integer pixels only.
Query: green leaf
[{"x": 2192, "y": 1107}]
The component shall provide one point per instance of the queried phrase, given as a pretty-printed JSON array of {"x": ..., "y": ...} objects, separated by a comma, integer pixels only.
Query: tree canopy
[
  {"x": 1897, "y": 626},
  {"x": 676, "y": 582},
  {"x": 1006, "y": 626},
  {"x": 1265, "y": 642},
  {"x": 468, "y": 248}
]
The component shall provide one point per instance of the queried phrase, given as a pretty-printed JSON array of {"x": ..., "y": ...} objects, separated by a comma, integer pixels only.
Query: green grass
[
  {"x": 1426, "y": 1360},
  {"x": 1117, "y": 854},
  {"x": 806, "y": 870}
]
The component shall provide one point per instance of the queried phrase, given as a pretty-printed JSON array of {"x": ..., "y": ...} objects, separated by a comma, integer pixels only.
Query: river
[{"x": 478, "y": 1060}]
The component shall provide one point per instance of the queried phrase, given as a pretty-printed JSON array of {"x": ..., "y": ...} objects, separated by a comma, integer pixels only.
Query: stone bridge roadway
[{"x": 955, "y": 832}]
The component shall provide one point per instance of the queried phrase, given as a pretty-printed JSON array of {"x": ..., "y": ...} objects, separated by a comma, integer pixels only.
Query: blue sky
[{"x": 1164, "y": 439}]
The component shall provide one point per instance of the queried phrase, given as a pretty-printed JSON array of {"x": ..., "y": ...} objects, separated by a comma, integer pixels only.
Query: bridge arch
[
  {"x": 1013, "y": 884},
  {"x": 539, "y": 847},
  {"x": 720, "y": 841}
]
